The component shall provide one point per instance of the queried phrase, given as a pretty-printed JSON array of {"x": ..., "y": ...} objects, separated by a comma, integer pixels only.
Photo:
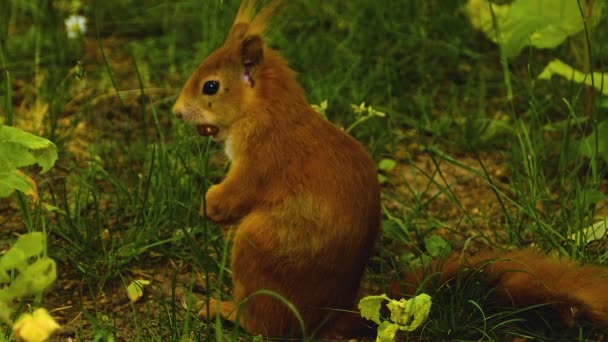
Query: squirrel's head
[{"x": 216, "y": 96}]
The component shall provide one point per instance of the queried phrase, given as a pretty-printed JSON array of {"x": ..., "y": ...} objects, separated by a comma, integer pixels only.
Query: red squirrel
[
  {"x": 305, "y": 200},
  {"x": 303, "y": 193}
]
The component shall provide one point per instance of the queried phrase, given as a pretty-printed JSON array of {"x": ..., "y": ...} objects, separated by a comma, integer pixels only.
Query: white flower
[{"x": 75, "y": 25}]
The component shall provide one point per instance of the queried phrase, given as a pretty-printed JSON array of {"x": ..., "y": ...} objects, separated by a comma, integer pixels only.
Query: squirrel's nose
[{"x": 177, "y": 111}]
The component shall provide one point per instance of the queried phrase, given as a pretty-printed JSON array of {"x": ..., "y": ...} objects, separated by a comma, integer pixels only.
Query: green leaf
[
  {"x": 33, "y": 279},
  {"x": 37, "y": 276},
  {"x": 540, "y": 23},
  {"x": 14, "y": 155},
  {"x": 27, "y": 246},
  {"x": 387, "y": 332},
  {"x": 5, "y": 313},
  {"x": 4, "y": 277},
  {"x": 14, "y": 180},
  {"x": 406, "y": 315},
  {"x": 387, "y": 164},
  {"x": 32, "y": 244},
  {"x": 370, "y": 307},
  {"x": 135, "y": 290},
  {"x": 19, "y": 149},
  {"x": 393, "y": 229},
  {"x": 5, "y": 295},
  {"x": 410, "y": 314},
  {"x": 421, "y": 261},
  {"x": 14, "y": 258},
  {"x": 436, "y": 245},
  {"x": 558, "y": 68}
]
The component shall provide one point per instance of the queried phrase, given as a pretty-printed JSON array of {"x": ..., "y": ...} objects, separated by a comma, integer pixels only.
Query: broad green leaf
[
  {"x": 14, "y": 258},
  {"x": 5, "y": 312},
  {"x": 35, "y": 278},
  {"x": 17, "y": 180},
  {"x": 387, "y": 332},
  {"x": 43, "y": 272},
  {"x": 436, "y": 245},
  {"x": 14, "y": 155},
  {"x": 33, "y": 275},
  {"x": 370, "y": 307},
  {"x": 4, "y": 277},
  {"x": 423, "y": 259},
  {"x": 393, "y": 229},
  {"x": 11, "y": 181},
  {"x": 540, "y": 23},
  {"x": 559, "y": 68},
  {"x": 19, "y": 149},
  {"x": 406, "y": 315},
  {"x": 410, "y": 314},
  {"x": 32, "y": 244},
  {"x": 5, "y": 295}
]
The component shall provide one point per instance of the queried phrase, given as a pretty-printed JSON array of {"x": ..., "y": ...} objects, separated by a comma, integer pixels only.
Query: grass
[{"x": 126, "y": 191}]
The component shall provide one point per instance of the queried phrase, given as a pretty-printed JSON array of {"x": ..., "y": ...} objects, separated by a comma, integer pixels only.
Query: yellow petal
[{"x": 35, "y": 327}]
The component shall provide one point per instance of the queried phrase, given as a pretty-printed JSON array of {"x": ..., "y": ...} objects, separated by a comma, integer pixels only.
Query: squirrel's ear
[{"x": 252, "y": 53}]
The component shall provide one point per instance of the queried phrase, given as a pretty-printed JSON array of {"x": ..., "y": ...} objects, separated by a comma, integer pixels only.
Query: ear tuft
[{"x": 239, "y": 31}]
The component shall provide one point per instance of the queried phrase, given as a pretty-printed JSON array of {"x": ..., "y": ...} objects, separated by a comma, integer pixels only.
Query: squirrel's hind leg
[{"x": 226, "y": 310}]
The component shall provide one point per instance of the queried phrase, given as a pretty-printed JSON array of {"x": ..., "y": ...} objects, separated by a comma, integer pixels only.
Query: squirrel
[
  {"x": 305, "y": 199},
  {"x": 304, "y": 193}
]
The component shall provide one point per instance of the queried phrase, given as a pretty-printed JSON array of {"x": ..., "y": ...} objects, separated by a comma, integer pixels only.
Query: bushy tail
[{"x": 524, "y": 278}]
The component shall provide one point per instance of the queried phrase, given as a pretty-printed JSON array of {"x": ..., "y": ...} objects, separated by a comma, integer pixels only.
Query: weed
[{"x": 474, "y": 148}]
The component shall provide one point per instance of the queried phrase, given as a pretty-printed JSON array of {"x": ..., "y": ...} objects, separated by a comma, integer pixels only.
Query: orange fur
[
  {"x": 524, "y": 278},
  {"x": 305, "y": 198},
  {"x": 304, "y": 194}
]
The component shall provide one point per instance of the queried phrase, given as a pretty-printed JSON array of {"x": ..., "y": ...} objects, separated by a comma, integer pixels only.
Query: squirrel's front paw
[{"x": 216, "y": 209}]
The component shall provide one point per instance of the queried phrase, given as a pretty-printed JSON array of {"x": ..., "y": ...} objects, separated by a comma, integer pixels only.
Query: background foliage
[{"x": 473, "y": 149}]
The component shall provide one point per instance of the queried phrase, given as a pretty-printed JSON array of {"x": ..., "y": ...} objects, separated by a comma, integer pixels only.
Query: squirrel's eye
[{"x": 211, "y": 87}]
